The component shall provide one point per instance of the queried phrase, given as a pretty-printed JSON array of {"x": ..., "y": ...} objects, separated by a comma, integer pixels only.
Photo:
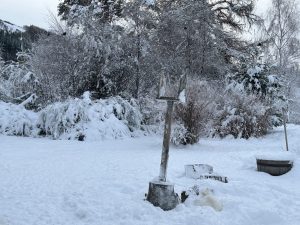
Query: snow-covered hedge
[
  {"x": 16, "y": 120},
  {"x": 82, "y": 119}
]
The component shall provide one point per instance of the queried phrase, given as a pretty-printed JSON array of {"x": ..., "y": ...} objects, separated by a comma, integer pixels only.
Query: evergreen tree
[{"x": 199, "y": 37}]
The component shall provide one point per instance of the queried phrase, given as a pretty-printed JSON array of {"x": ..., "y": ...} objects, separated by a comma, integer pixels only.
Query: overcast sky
[{"x": 27, "y": 12}]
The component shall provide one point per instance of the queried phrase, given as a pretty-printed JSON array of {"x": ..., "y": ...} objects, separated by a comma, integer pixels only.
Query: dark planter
[{"x": 274, "y": 167}]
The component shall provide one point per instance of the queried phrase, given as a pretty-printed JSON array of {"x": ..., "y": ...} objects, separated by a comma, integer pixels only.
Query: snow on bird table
[{"x": 104, "y": 183}]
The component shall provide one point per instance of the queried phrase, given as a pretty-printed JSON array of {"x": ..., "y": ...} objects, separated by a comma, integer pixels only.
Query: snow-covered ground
[{"x": 104, "y": 183}]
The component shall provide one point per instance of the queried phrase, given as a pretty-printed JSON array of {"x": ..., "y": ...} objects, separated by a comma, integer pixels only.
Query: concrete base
[{"x": 162, "y": 195}]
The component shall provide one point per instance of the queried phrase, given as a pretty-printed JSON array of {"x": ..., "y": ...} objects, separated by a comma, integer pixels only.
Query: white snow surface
[{"x": 46, "y": 182}]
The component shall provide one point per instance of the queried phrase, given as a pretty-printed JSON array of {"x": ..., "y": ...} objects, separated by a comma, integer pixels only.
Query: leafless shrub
[{"x": 197, "y": 111}]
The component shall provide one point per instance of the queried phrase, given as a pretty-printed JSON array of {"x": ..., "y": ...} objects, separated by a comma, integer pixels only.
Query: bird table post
[
  {"x": 284, "y": 112},
  {"x": 166, "y": 142},
  {"x": 161, "y": 193}
]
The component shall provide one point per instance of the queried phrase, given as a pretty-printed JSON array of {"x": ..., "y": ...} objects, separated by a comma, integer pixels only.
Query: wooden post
[
  {"x": 166, "y": 142},
  {"x": 161, "y": 193},
  {"x": 285, "y": 132}
]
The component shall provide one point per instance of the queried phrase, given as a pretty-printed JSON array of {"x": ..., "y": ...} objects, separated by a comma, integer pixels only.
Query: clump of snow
[
  {"x": 150, "y": 2},
  {"x": 87, "y": 97},
  {"x": 182, "y": 96},
  {"x": 82, "y": 119},
  {"x": 255, "y": 70},
  {"x": 203, "y": 197},
  {"x": 284, "y": 155},
  {"x": 29, "y": 76},
  {"x": 30, "y": 100},
  {"x": 16, "y": 120}
]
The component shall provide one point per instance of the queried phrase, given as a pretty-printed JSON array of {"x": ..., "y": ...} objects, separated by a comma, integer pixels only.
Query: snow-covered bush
[
  {"x": 258, "y": 80},
  {"x": 16, "y": 120},
  {"x": 196, "y": 112},
  {"x": 153, "y": 112},
  {"x": 242, "y": 116},
  {"x": 294, "y": 105},
  {"x": 17, "y": 83},
  {"x": 82, "y": 119},
  {"x": 179, "y": 134}
]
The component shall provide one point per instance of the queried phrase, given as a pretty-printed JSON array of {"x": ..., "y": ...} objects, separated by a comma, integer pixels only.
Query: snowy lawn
[{"x": 101, "y": 183}]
